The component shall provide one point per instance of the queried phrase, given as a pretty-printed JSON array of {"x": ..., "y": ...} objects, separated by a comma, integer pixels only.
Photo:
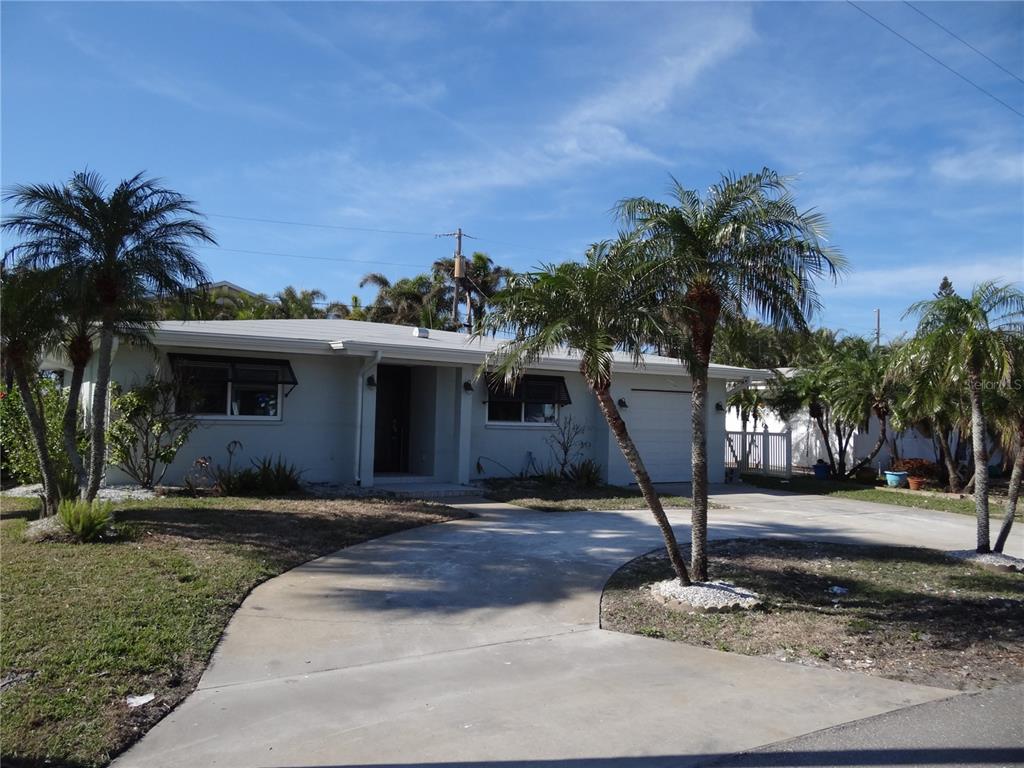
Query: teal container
[{"x": 895, "y": 479}]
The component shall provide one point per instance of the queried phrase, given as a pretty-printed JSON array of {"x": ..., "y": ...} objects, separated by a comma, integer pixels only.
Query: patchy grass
[
  {"x": 910, "y": 614},
  {"x": 567, "y": 497},
  {"x": 858, "y": 492},
  {"x": 85, "y": 625}
]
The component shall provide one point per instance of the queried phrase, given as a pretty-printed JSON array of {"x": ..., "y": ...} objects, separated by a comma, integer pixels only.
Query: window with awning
[
  {"x": 531, "y": 400},
  {"x": 232, "y": 387}
]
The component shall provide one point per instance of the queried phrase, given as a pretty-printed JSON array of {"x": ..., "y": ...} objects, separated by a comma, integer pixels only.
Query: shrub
[
  {"x": 18, "y": 448},
  {"x": 566, "y": 444},
  {"x": 147, "y": 433},
  {"x": 586, "y": 474},
  {"x": 917, "y": 468},
  {"x": 266, "y": 476},
  {"x": 84, "y": 521},
  {"x": 277, "y": 477}
]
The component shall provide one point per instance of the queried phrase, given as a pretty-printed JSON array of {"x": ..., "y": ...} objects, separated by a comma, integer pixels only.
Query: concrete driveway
[{"x": 476, "y": 643}]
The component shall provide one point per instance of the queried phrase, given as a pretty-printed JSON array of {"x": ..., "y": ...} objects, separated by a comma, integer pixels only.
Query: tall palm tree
[
  {"x": 743, "y": 247},
  {"x": 30, "y": 323},
  {"x": 592, "y": 309},
  {"x": 127, "y": 246},
  {"x": 969, "y": 340}
]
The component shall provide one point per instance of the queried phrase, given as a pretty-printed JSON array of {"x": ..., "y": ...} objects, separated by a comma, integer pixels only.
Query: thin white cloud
[
  {"x": 911, "y": 282},
  {"x": 988, "y": 163},
  {"x": 194, "y": 92}
]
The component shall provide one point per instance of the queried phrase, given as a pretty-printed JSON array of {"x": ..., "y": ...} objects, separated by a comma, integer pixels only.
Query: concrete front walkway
[{"x": 475, "y": 643}]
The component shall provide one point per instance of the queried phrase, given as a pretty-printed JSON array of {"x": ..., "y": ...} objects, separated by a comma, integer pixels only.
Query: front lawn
[
  {"x": 567, "y": 497},
  {"x": 85, "y": 625},
  {"x": 897, "y": 612},
  {"x": 858, "y": 492}
]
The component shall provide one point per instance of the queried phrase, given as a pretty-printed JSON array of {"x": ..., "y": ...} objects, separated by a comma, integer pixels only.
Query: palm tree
[
  {"x": 859, "y": 387},
  {"x": 744, "y": 246},
  {"x": 415, "y": 300},
  {"x": 29, "y": 323},
  {"x": 1009, "y": 418},
  {"x": 483, "y": 280},
  {"x": 969, "y": 340},
  {"x": 295, "y": 304},
  {"x": 592, "y": 309},
  {"x": 127, "y": 246}
]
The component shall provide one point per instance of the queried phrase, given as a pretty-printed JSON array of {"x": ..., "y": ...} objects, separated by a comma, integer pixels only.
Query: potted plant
[{"x": 918, "y": 472}]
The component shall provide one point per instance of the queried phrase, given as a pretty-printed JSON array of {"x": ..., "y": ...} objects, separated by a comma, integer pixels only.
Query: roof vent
[{"x": 421, "y": 333}]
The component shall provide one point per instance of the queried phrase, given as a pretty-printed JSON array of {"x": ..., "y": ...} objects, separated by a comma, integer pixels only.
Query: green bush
[
  {"x": 18, "y": 447},
  {"x": 85, "y": 522},
  {"x": 586, "y": 474},
  {"x": 147, "y": 432},
  {"x": 266, "y": 476}
]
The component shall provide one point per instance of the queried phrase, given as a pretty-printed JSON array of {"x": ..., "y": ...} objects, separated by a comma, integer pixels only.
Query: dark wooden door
[{"x": 391, "y": 435}]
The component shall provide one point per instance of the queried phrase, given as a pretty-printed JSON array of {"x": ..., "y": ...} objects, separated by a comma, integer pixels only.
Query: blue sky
[{"x": 525, "y": 123}]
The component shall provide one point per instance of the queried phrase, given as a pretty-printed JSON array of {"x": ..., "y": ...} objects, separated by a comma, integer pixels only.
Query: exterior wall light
[
  {"x": 371, "y": 382},
  {"x": 719, "y": 407},
  {"x": 623, "y": 403},
  {"x": 468, "y": 386}
]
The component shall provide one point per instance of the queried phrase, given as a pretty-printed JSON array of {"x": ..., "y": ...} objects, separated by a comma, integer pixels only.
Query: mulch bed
[{"x": 906, "y": 614}]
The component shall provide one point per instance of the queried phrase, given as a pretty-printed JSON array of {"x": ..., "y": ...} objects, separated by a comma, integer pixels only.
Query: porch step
[{"x": 427, "y": 490}]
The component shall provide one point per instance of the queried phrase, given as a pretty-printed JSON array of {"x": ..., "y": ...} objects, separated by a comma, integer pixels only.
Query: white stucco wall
[
  {"x": 317, "y": 428},
  {"x": 315, "y": 433},
  {"x": 504, "y": 450}
]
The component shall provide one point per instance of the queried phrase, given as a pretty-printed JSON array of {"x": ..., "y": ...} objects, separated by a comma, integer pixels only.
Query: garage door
[{"x": 659, "y": 422}]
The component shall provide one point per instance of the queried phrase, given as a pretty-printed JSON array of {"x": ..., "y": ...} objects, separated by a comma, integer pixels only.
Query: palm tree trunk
[
  {"x": 874, "y": 449},
  {"x": 827, "y": 439},
  {"x": 1013, "y": 492},
  {"x": 636, "y": 466},
  {"x": 98, "y": 427},
  {"x": 980, "y": 460},
  {"x": 70, "y": 425},
  {"x": 38, "y": 429},
  {"x": 699, "y": 465},
  {"x": 947, "y": 459}
]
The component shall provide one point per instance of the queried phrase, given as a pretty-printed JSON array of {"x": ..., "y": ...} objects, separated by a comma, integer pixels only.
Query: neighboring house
[
  {"x": 809, "y": 445},
  {"x": 363, "y": 403}
]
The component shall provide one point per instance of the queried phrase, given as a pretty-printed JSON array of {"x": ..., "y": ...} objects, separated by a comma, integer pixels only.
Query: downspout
[{"x": 360, "y": 384}]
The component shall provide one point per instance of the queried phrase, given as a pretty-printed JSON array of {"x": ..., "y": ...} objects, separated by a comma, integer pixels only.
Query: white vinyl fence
[{"x": 764, "y": 453}]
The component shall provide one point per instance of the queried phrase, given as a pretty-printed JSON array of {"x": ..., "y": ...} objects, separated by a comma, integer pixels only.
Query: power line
[
  {"x": 311, "y": 258},
  {"x": 323, "y": 226},
  {"x": 954, "y": 35},
  {"x": 411, "y": 233},
  {"x": 936, "y": 60}
]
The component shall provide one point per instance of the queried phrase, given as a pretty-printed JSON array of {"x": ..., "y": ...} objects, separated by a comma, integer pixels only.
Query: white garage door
[{"x": 659, "y": 422}]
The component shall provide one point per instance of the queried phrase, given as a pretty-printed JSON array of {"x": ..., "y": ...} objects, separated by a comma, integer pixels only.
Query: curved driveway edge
[{"x": 475, "y": 643}]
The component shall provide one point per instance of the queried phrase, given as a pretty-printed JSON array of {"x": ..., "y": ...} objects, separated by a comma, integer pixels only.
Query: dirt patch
[{"x": 902, "y": 613}]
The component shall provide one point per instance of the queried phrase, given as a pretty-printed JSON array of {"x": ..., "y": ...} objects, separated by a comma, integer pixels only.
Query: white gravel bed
[
  {"x": 107, "y": 493},
  {"x": 989, "y": 558},
  {"x": 709, "y": 595}
]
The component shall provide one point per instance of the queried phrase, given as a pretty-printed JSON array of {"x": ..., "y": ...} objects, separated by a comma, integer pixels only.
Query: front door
[{"x": 391, "y": 434}]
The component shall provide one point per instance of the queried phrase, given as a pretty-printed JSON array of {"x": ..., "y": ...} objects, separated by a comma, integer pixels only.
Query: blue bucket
[{"x": 895, "y": 479}]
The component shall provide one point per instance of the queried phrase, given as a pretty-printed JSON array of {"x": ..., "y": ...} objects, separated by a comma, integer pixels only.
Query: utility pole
[
  {"x": 459, "y": 279},
  {"x": 878, "y": 328}
]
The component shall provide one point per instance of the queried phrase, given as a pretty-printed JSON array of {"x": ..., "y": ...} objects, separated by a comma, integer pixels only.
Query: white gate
[{"x": 763, "y": 453}]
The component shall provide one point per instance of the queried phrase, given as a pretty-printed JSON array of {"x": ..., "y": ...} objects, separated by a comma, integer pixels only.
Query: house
[
  {"x": 366, "y": 403},
  {"x": 808, "y": 445}
]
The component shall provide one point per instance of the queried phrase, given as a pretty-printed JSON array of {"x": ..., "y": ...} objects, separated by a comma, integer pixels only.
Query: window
[
  {"x": 232, "y": 387},
  {"x": 533, "y": 400}
]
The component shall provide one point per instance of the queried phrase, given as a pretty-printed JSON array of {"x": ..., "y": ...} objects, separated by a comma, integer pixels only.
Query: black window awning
[
  {"x": 238, "y": 370},
  {"x": 529, "y": 389}
]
